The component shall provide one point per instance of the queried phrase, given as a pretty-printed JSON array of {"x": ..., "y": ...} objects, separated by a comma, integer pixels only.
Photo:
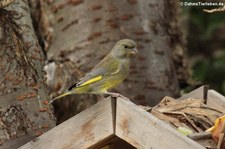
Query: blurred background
[{"x": 205, "y": 43}]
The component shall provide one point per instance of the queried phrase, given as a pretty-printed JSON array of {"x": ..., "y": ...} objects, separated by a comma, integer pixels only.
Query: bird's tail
[{"x": 60, "y": 96}]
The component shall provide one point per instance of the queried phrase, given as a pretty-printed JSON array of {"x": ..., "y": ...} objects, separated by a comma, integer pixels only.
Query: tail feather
[{"x": 60, "y": 96}]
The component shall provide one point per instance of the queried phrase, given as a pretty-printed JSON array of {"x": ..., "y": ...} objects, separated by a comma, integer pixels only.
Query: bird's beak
[
  {"x": 60, "y": 96},
  {"x": 134, "y": 51}
]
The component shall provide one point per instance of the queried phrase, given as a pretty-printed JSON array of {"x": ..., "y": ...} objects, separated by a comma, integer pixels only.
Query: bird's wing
[{"x": 97, "y": 74}]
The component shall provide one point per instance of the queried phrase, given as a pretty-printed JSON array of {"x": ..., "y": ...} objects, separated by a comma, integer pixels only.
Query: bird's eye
[{"x": 126, "y": 46}]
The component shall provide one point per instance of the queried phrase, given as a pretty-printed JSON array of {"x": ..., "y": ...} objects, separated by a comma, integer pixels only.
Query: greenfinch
[{"x": 108, "y": 73}]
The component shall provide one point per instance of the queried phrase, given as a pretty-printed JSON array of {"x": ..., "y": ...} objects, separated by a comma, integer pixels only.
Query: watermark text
[{"x": 197, "y": 4}]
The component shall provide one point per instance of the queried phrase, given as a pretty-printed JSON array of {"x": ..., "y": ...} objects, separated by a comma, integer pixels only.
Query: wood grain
[
  {"x": 199, "y": 93},
  {"x": 94, "y": 128},
  {"x": 216, "y": 100},
  {"x": 80, "y": 132},
  {"x": 144, "y": 131}
]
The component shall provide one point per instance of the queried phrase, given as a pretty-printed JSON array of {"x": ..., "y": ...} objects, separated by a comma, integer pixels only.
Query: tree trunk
[
  {"x": 75, "y": 36},
  {"x": 85, "y": 31},
  {"x": 24, "y": 112}
]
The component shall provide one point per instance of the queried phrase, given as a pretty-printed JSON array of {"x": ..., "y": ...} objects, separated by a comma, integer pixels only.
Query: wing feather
[
  {"x": 99, "y": 72},
  {"x": 92, "y": 80}
]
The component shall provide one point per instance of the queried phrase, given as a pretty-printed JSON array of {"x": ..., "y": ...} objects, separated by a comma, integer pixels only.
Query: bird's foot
[{"x": 116, "y": 95}]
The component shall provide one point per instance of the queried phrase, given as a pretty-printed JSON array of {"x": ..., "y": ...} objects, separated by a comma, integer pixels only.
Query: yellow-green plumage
[{"x": 108, "y": 73}]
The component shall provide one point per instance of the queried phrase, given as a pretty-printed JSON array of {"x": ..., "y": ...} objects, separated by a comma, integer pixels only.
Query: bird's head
[{"x": 124, "y": 48}]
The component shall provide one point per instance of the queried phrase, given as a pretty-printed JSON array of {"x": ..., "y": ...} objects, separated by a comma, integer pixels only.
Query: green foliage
[
  {"x": 200, "y": 70},
  {"x": 211, "y": 71}
]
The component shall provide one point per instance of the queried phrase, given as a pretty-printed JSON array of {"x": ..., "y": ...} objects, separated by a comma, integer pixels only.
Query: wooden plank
[
  {"x": 199, "y": 93},
  {"x": 216, "y": 100},
  {"x": 80, "y": 132},
  {"x": 144, "y": 131},
  {"x": 116, "y": 143}
]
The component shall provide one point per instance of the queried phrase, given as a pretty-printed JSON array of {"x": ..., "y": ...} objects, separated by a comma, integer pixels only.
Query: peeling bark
[
  {"x": 5, "y": 3},
  {"x": 22, "y": 83}
]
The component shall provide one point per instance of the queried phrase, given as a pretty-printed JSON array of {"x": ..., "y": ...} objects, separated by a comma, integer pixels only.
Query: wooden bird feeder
[{"x": 113, "y": 124}]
